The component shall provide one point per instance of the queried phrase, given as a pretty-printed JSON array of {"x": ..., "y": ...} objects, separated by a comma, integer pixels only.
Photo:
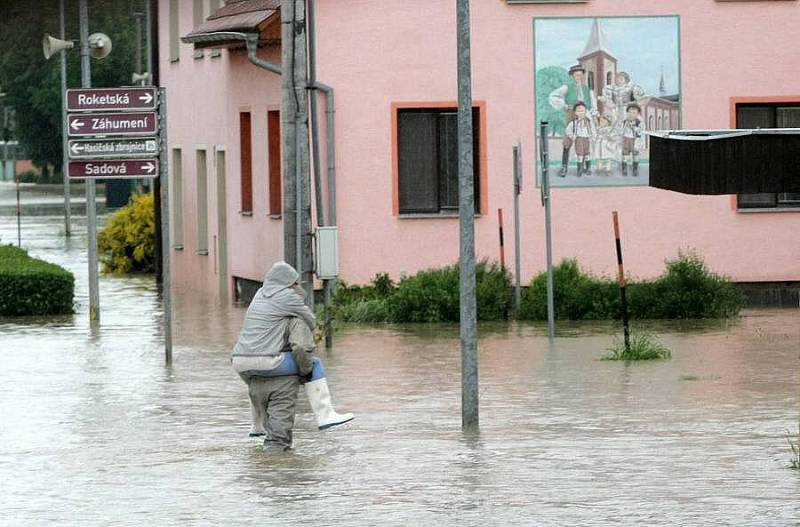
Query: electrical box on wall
[{"x": 327, "y": 252}]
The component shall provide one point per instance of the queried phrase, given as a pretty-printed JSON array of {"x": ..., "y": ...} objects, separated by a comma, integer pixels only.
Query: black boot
[
  {"x": 587, "y": 167},
  {"x": 580, "y": 168},
  {"x": 624, "y": 169},
  {"x": 635, "y": 169},
  {"x": 564, "y": 162}
]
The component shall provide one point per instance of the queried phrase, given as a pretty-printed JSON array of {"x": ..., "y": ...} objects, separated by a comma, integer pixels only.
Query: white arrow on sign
[
  {"x": 146, "y": 98},
  {"x": 77, "y": 124},
  {"x": 76, "y": 148},
  {"x": 149, "y": 167}
]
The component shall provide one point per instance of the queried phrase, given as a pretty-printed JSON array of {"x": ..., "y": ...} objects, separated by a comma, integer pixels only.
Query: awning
[
  {"x": 240, "y": 16},
  {"x": 726, "y": 161}
]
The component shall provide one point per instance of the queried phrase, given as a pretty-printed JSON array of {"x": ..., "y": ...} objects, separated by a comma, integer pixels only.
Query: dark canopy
[{"x": 726, "y": 162}]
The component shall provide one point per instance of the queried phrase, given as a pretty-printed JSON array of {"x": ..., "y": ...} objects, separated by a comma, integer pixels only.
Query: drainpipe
[{"x": 329, "y": 286}]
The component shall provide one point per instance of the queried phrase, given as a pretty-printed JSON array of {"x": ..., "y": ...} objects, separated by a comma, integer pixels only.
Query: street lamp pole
[
  {"x": 91, "y": 212},
  {"x": 64, "y": 141},
  {"x": 466, "y": 206}
]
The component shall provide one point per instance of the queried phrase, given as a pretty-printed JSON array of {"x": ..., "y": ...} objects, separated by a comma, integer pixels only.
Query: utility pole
[
  {"x": 297, "y": 233},
  {"x": 64, "y": 133},
  {"x": 466, "y": 207},
  {"x": 91, "y": 212}
]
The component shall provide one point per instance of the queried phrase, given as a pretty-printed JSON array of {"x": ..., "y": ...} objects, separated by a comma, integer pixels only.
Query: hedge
[
  {"x": 127, "y": 242},
  {"x": 33, "y": 287}
]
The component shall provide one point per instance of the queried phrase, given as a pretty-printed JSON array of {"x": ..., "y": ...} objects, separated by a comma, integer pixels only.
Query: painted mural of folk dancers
[{"x": 617, "y": 96}]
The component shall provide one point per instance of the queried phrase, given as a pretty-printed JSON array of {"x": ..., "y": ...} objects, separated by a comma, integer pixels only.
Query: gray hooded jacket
[{"x": 264, "y": 334}]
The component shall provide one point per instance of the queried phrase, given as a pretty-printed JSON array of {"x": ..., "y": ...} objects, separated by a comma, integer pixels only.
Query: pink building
[{"x": 392, "y": 64}]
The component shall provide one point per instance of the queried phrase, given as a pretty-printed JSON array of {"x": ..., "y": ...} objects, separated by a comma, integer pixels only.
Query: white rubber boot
[{"x": 320, "y": 398}]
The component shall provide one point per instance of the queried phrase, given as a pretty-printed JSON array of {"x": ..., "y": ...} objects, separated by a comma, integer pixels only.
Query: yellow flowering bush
[{"x": 127, "y": 242}]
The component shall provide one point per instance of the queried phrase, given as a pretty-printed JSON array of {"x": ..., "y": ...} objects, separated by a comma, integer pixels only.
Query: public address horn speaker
[
  {"x": 51, "y": 45},
  {"x": 99, "y": 45}
]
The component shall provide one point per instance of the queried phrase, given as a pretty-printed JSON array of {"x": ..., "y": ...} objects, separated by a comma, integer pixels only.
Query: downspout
[{"x": 329, "y": 286}]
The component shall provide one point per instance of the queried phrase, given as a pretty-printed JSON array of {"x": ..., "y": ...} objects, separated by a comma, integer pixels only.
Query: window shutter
[
  {"x": 274, "y": 153},
  {"x": 448, "y": 161},
  {"x": 416, "y": 152},
  {"x": 246, "y": 146}
]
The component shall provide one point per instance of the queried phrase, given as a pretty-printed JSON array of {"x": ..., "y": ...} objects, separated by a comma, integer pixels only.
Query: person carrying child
[{"x": 274, "y": 353}]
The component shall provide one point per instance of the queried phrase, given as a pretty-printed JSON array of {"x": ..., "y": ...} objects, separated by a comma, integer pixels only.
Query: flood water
[{"x": 96, "y": 430}]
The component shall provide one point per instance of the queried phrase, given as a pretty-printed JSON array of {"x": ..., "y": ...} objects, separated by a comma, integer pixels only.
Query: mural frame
[{"x": 607, "y": 175}]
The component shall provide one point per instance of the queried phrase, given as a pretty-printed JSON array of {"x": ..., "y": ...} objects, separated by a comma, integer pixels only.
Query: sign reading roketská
[
  {"x": 108, "y": 169},
  {"x": 112, "y": 99},
  {"x": 113, "y": 148},
  {"x": 139, "y": 123}
]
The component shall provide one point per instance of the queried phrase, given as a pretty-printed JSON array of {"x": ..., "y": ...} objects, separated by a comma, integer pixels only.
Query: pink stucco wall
[{"x": 401, "y": 51}]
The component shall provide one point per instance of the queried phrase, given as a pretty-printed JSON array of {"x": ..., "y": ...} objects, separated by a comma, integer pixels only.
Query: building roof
[
  {"x": 598, "y": 42},
  {"x": 242, "y": 16}
]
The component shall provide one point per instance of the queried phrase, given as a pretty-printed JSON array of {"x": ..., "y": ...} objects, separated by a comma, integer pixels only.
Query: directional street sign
[
  {"x": 116, "y": 169},
  {"x": 113, "y": 148},
  {"x": 141, "y": 123},
  {"x": 109, "y": 99}
]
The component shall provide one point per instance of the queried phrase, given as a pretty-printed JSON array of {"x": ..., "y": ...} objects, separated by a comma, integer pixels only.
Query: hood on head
[{"x": 281, "y": 276}]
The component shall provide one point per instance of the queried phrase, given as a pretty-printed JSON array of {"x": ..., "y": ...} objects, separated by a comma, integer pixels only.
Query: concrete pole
[
  {"x": 466, "y": 207},
  {"x": 288, "y": 133},
  {"x": 517, "y": 155},
  {"x": 148, "y": 35},
  {"x": 91, "y": 212},
  {"x": 297, "y": 79},
  {"x": 64, "y": 133}
]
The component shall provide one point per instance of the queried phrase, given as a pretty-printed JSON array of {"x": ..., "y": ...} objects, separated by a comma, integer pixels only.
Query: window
[
  {"x": 202, "y": 202},
  {"x": 174, "y": 31},
  {"x": 197, "y": 20},
  {"x": 609, "y": 79},
  {"x": 768, "y": 116},
  {"x": 274, "y": 160},
  {"x": 591, "y": 80},
  {"x": 427, "y": 160},
  {"x": 177, "y": 198},
  {"x": 246, "y": 148}
]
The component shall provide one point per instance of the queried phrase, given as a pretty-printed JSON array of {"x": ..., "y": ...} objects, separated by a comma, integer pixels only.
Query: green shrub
[
  {"x": 364, "y": 311},
  {"x": 576, "y": 295},
  {"x": 127, "y": 242},
  {"x": 32, "y": 287},
  {"x": 433, "y": 295},
  {"x": 642, "y": 347},
  {"x": 687, "y": 289},
  {"x": 28, "y": 176}
]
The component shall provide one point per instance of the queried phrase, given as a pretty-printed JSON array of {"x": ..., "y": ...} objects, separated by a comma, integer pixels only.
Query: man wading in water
[{"x": 274, "y": 354}]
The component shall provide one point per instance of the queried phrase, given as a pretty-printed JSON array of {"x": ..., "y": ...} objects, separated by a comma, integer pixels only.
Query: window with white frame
[
  {"x": 202, "y": 202},
  {"x": 177, "y": 198}
]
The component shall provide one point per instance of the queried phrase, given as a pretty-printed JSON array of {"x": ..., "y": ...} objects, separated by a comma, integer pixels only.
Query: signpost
[
  {"x": 112, "y": 99},
  {"x": 113, "y": 148},
  {"x": 102, "y": 124},
  {"x": 119, "y": 136},
  {"x": 110, "y": 169}
]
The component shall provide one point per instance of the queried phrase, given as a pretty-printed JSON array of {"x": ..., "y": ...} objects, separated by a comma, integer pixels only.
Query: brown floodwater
[{"x": 96, "y": 430}]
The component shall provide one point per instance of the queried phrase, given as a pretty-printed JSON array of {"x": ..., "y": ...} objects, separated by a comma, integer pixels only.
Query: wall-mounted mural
[{"x": 600, "y": 84}]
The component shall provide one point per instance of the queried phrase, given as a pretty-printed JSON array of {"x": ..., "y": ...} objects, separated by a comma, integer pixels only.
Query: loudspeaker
[
  {"x": 144, "y": 78},
  {"x": 99, "y": 45},
  {"x": 51, "y": 45}
]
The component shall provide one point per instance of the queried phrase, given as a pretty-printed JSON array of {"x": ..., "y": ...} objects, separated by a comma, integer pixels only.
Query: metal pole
[
  {"x": 19, "y": 207},
  {"x": 551, "y": 325},
  {"x": 166, "y": 274},
  {"x": 466, "y": 207},
  {"x": 315, "y": 140},
  {"x": 64, "y": 133},
  {"x": 148, "y": 35},
  {"x": 622, "y": 296},
  {"x": 288, "y": 139},
  {"x": 138, "y": 39},
  {"x": 517, "y": 190},
  {"x": 91, "y": 212}
]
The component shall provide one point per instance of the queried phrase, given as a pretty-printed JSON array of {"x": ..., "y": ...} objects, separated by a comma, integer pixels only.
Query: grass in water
[
  {"x": 643, "y": 347},
  {"x": 795, "y": 450}
]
